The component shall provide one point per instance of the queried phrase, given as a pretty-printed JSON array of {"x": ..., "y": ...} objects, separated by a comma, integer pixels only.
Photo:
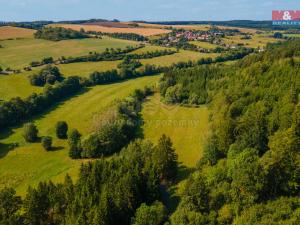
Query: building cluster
[{"x": 194, "y": 35}]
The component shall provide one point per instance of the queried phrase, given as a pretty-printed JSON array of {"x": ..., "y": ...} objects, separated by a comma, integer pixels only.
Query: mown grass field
[
  {"x": 97, "y": 28},
  {"x": 19, "y": 53},
  {"x": 187, "y": 127},
  {"x": 30, "y": 163},
  {"x": 7, "y": 32},
  {"x": 16, "y": 85},
  {"x": 255, "y": 42},
  {"x": 84, "y": 69}
]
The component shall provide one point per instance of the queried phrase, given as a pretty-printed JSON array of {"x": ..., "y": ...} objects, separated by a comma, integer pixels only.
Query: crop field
[
  {"x": 187, "y": 127},
  {"x": 19, "y": 53},
  {"x": 16, "y": 85},
  {"x": 255, "y": 42},
  {"x": 7, "y": 32},
  {"x": 104, "y": 29},
  {"x": 182, "y": 55},
  {"x": 30, "y": 163}
]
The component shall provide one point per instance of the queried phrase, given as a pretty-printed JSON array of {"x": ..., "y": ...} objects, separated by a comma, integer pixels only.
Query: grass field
[
  {"x": 183, "y": 55},
  {"x": 30, "y": 164},
  {"x": 151, "y": 48},
  {"x": 7, "y": 32},
  {"x": 16, "y": 86},
  {"x": 19, "y": 53},
  {"x": 203, "y": 44},
  {"x": 256, "y": 41},
  {"x": 84, "y": 69},
  {"x": 292, "y": 35},
  {"x": 140, "y": 31},
  {"x": 187, "y": 127}
]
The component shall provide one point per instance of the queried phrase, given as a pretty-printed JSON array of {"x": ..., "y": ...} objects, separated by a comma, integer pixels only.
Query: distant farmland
[
  {"x": 8, "y": 32},
  {"x": 106, "y": 29}
]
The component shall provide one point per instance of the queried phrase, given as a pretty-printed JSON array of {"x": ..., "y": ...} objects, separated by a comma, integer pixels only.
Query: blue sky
[{"x": 151, "y": 10}]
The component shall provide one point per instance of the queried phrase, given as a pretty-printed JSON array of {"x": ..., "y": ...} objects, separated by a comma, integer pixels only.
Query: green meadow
[
  {"x": 29, "y": 164},
  {"x": 16, "y": 85},
  {"x": 182, "y": 55},
  {"x": 203, "y": 44},
  {"x": 187, "y": 127},
  {"x": 18, "y": 53}
]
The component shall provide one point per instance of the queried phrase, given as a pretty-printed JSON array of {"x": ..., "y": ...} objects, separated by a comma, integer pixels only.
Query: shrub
[
  {"x": 74, "y": 143},
  {"x": 48, "y": 75},
  {"x": 30, "y": 132},
  {"x": 61, "y": 129},
  {"x": 47, "y": 143}
]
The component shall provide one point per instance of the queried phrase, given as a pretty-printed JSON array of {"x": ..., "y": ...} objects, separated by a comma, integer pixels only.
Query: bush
[
  {"x": 47, "y": 75},
  {"x": 47, "y": 143},
  {"x": 61, "y": 129},
  {"x": 30, "y": 132}
]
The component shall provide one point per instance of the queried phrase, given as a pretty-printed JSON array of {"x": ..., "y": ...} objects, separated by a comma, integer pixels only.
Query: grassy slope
[
  {"x": 19, "y": 53},
  {"x": 85, "y": 68},
  {"x": 183, "y": 55},
  {"x": 203, "y": 44},
  {"x": 256, "y": 41},
  {"x": 16, "y": 85},
  {"x": 29, "y": 163},
  {"x": 187, "y": 127}
]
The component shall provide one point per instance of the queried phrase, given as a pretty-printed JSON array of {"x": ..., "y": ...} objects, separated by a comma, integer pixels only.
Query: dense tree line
[
  {"x": 124, "y": 189},
  {"x": 234, "y": 54},
  {"x": 16, "y": 110},
  {"x": 249, "y": 173},
  {"x": 116, "y": 54},
  {"x": 48, "y": 75},
  {"x": 44, "y": 61},
  {"x": 113, "y": 132},
  {"x": 58, "y": 34},
  {"x": 127, "y": 36},
  {"x": 191, "y": 82}
]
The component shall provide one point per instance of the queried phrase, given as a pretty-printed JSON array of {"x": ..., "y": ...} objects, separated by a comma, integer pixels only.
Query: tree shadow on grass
[
  {"x": 56, "y": 148},
  {"x": 170, "y": 196},
  {"x": 140, "y": 122},
  {"x": 5, "y": 149}
]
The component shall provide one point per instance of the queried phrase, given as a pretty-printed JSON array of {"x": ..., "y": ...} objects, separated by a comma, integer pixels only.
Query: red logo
[{"x": 286, "y": 15}]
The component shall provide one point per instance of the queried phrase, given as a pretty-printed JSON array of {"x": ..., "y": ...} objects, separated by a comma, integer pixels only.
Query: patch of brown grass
[
  {"x": 140, "y": 31},
  {"x": 7, "y": 32}
]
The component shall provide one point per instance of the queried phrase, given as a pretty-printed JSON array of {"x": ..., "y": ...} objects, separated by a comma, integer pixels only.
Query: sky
[{"x": 150, "y": 10}]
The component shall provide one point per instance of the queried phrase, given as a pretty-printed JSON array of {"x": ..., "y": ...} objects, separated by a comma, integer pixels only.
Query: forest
[{"x": 255, "y": 139}]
